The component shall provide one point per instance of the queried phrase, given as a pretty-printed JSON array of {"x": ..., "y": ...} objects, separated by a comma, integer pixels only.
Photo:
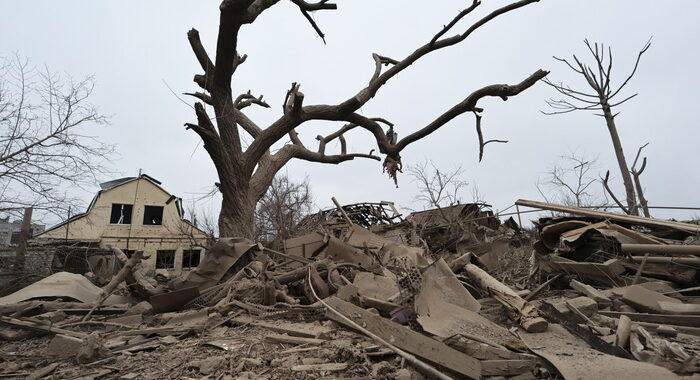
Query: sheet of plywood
[{"x": 575, "y": 360}]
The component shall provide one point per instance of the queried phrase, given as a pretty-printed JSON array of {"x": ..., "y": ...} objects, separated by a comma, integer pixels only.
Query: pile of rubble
[{"x": 449, "y": 294}]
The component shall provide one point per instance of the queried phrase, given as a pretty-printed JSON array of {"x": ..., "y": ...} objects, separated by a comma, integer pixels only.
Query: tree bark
[
  {"x": 640, "y": 193},
  {"x": 621, "y": 161},
  {"x": 245, "y": 174},
  {"x": 237, "y": 213}
]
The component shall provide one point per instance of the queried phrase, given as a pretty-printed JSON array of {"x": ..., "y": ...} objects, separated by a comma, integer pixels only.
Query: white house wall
[{"x": 173, "y": 234}]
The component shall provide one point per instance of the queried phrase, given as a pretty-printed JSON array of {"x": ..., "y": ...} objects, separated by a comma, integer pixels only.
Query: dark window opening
[
  {"x": 190, "y": 258},
  {"x": 121, "y": 213},
  {"x": 128, "y": 252},
  {"x": 153, "y": 215},
  {"x": 165, "y": 259}
]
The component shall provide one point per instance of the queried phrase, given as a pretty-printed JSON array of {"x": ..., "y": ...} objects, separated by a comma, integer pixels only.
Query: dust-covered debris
[{"x": 366, "y": 295}]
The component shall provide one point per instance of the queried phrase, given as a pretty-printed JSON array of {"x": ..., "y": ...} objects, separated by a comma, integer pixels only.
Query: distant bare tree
[
  {"x": 45, "y": 140},
  {"x": 281, "y": 209},
  {"x": 198, "y": 221},
  {"x": 603, "y": 98},
  {"x": 570, "y": 181},
  {"x": 436, "y": 188}
]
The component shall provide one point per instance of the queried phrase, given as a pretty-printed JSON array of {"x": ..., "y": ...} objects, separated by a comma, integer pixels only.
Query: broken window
[
  {"x": 190, "y": 258},
  {"x": 165, "y": 259},
  {"x": 121, "y": 213},
  {"x": 152, "y": 215}
]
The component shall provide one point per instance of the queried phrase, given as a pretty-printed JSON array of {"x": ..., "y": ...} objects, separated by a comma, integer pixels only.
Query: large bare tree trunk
[
  {"x": 237, "y": 213},
  {"x": 621, "y": 161},
  {"x": 246, "y": 172}
]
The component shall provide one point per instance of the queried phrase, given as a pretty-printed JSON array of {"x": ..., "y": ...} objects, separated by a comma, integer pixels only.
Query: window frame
[
  {"x": 131, "y": 216},
  {"x": 158, "y": 261},
  {"x": 143, "y": 220},
  {"x": 189, "y": 252}
]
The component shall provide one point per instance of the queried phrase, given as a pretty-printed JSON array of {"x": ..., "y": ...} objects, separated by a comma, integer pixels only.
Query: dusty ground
[{"x": 249, "y": 356}]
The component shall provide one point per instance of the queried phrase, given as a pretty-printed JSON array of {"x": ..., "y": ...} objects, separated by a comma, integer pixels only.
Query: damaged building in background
[
  {"x": 9, "y": 231},
  {"x": 133, "y": 213}
]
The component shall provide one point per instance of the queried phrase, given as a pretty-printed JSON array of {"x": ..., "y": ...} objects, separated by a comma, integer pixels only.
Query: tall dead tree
[
  {"x": 246, "y": 174},
  {"x": 603, "y": 98}
]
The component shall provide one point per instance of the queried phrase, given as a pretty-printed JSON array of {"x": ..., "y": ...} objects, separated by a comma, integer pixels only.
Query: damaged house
[{"x": 136, "y": 213}]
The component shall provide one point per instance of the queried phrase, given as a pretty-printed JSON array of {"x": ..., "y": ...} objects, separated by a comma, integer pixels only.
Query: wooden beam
[
  {"x": 406, "y": 339},
  {"x": 665, "y": 319},
  {"x": 526, "y": 313},
  {"x": 40, "y": 327},
  {"x": 639, "y": 220},
  {"x": 665, "y": 250}
]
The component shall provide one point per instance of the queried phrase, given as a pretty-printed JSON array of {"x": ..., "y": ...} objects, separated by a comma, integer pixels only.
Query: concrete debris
[{"x": 363, "y": 292}]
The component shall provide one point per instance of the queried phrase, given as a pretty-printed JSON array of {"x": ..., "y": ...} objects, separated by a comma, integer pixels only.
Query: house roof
[
  {"x": 105, "y": 186},
  {"x": 120, "y": 181}
]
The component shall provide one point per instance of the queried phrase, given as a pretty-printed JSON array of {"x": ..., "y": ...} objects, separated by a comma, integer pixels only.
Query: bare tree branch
[
  {"x": 244, "y": 175},
  {"x": 43, "y": 142},
  {"x": 612, "y": 195}
]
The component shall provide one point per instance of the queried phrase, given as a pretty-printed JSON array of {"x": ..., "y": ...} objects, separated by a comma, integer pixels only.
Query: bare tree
[
  {"x": 281, "y": 209},
  {"x": 45, "y": 145},
  {"x": 603, "y": 98},
  {"x": 569, "y": 181},
  {"x": 200, "y": 223},
  {"x": 437, "y": 188},
  {"x": 246, "y": 174}
]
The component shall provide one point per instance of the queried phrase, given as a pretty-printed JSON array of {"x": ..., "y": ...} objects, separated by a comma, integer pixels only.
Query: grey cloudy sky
[{"x": 133, "y": 48}]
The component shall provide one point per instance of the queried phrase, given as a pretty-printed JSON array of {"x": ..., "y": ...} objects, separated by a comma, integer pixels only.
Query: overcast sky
[{"x": 136, "y": 49}]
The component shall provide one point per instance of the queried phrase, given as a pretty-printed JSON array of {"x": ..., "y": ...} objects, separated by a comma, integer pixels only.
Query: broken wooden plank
[
  {"x": 526, "y": 313},
  {"x": 665, "y": 250},
  {"x": 326, "y": 367},
  {"x": 506, "y": 367},
  {"x": 120, "y": 277},
  {"x": 575, "y": 360},
  {"x": 282, "y": 338},
  {"x": 608, "y": 271},
  {"x": 590, "y": 292},
  {"x": 583, "y": 229},
  {"x": 642, "y": 238},
  {"x": 42, "y": 372},
  {"x": 173, "y": 301},
  {"x": 675, "y": 308},
  {"x": 611, "y": 216},
  {"x": 571, "y": 323},
  {"x": 406, "y": 339},
  {"x": 646, "y": 300},
  {"x": 683, "y": 320},
  {"x": 668, "y": 260},
  {"x": 39, "y": 327},
  {"x": 302, "y": 330},
  {"x": 482, "y": 351},
  {"x": 157, "y": 330}
]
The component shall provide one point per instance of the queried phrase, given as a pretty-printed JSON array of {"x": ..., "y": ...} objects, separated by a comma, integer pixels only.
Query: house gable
[{"x": 137, "y": 193}]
